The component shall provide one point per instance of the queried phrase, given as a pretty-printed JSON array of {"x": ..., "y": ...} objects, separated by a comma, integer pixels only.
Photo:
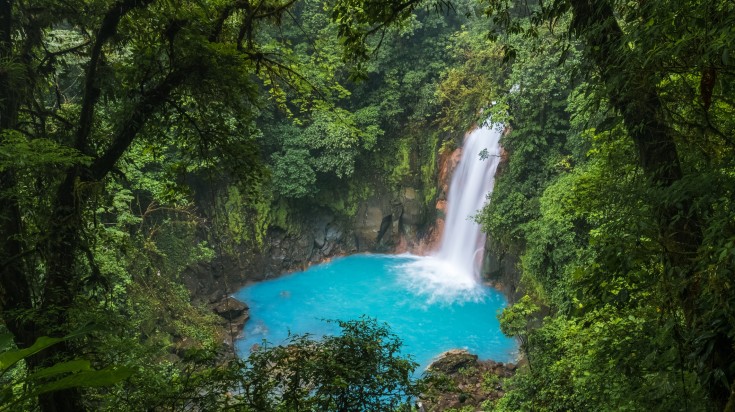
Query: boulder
[
  {"x": 452, "y": 361},
  {"x": 468, "y": 383},
  {"x": 230, "y": 308}
]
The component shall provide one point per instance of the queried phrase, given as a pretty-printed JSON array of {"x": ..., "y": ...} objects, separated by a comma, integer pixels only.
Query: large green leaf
[
  {"x": 75, "y": 366},
  {"x": 11, "y": 357},
  {"x": 88, "y": 378}
]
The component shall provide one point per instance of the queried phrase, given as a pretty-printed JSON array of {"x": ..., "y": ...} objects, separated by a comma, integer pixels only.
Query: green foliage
[
  {"x": 469, "y": 88},
  {"x": 20, "y": 153},
  {"x": 360, "y": 369},
  {"x": 515, "y": 320},
  {"x": 403, "y": 166},
  {"x": 293, "y": 174},
  {"x": 246, "y": 217},
  {"x": 536, "y": 115},
  {"x": 370, "y": 135},
  {"x": 429, "y": 169},
  {"x": 600, "y": 233},
  {"x": 141, "y": 140},
  {"x": 328, "y": 146},
  {"x": 162, "y": 336},
  {"x": 21, "y": 387},
  {"x": 491, "y": 381},
  {"x": 463, "y": 409}
]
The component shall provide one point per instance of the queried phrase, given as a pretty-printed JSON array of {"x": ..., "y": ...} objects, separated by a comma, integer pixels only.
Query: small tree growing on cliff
[
  {"x": 514, "y": 321},
  {"x": 360, "y": 369}
]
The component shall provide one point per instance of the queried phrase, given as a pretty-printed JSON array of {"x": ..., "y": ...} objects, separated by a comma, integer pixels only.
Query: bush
[{"x": 359, "y": 370}]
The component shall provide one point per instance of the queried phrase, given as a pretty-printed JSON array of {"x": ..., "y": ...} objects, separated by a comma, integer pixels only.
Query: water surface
[{"x": 430, "y": 318}]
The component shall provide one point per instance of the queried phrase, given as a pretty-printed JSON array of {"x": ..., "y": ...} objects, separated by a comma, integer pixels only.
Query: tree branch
[
  {"x": 149, "y": 103},
  {"x": 91, "y": 92}
]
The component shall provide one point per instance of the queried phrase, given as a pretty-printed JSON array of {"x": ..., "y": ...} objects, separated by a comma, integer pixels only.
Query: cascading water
[
  {"x": 471, "y": 183},
  {"x": 453, "y": 271}
]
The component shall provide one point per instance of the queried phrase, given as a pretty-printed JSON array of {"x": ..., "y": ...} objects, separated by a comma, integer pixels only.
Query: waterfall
[
  {"x": 463, "y": 241},
  {"x": 453, "y": 271}
]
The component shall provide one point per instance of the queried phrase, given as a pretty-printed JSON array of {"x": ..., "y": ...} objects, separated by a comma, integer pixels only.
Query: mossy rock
[{"x": 453, "y": 361}]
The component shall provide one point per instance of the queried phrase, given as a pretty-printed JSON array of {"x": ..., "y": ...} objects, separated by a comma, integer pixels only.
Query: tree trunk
[
  {"x": 15, "y": 290},
  {"x": 637, "y": 100},
  {"x": 67, "y": 225},
  {"x": 59, "y": 292}
]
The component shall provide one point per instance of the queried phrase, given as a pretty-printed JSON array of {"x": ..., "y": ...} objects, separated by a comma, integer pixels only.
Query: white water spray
[{"x": 453, "y": 272}]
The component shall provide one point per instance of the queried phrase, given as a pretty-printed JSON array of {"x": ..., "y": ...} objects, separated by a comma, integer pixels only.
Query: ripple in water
[{"x": 407, "y": 292}]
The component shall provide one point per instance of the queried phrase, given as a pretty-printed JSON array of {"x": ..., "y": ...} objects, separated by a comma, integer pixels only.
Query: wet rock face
[
  {"x": 385, "y": 222},
  {"x": 322, "y": 236},
  {"x": 368, "y": 220},
  {"x": 413, "y": 208},
  {"x": 447, "y": 163},
  {"x": 377, "y": 223},
  {"x": 500, "y": 270}
]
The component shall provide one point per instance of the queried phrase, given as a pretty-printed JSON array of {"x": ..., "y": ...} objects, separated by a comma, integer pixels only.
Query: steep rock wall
[{"x": 386, "y": 222}]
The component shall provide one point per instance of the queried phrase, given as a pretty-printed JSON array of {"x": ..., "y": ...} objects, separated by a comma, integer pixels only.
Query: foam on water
[{"x": 439, "y": 280}]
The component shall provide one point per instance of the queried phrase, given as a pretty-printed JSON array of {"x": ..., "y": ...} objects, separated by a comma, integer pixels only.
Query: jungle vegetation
[{"x": 140, "y": 137}]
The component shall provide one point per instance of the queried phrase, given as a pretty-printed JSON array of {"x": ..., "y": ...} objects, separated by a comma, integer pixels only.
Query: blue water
[{"x": 383, "y": 287}]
